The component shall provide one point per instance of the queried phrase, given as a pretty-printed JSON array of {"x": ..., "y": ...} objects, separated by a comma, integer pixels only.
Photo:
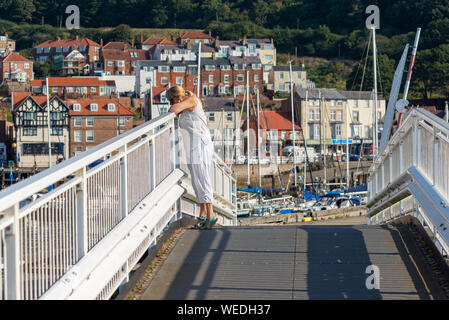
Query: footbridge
[{"x": 112, "y": 205}]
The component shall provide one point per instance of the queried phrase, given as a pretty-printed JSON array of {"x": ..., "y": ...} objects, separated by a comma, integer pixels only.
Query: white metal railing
[
  {"x": 81, "y": 239},
  {"x": 411, "y": 175}
]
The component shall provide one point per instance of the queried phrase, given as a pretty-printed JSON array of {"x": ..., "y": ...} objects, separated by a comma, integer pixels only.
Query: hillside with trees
[{"x": 330, "y": 29}]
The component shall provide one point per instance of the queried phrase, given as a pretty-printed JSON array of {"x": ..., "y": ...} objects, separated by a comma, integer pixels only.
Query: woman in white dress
[{"x": 199, "y": 149}]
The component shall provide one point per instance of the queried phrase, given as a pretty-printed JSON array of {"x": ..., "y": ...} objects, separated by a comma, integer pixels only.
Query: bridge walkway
[{"x": 293, "y": 262}]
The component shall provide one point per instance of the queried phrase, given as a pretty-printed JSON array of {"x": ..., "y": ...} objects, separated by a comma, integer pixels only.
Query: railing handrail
[
  {"x": 423, "y": 114},
  {"x": 25, "y": 188}
]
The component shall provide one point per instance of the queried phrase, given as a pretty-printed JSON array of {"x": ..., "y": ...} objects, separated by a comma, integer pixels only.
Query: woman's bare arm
[{"x": 188, "y": 103}]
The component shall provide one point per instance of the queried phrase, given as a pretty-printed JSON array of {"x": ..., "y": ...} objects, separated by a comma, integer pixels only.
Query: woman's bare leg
[
  {"x": 204, "y": 210},
  {"x": 210, "y": 211}
]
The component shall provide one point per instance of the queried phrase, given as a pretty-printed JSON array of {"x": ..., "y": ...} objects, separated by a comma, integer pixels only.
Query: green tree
[{"x": 17, "y": 10}]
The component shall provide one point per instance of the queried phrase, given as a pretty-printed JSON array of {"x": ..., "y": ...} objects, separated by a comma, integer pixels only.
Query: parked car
[{"x": 352, "y": 157}]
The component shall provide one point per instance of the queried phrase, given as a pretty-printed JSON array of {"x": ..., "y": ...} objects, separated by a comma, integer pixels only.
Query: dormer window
[
  {"x": 77, "y": 107},
  {"x": 111, "y": 107},
  {"x": 94, "y": 107}
]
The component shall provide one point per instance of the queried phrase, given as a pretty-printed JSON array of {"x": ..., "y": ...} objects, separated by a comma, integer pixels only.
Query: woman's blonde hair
[{"x": 177, "y": 91}]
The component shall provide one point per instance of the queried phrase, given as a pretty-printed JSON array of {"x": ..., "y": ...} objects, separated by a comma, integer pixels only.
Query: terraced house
[
  {"x": 120, "y": 58},
  {"x": 52, "y": 48},
  {"x": 15, "y": 67}
]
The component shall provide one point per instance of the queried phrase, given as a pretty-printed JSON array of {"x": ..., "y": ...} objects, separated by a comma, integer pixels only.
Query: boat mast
[
  {"x": 322, "y": 115},
  {"x": 258, "y": 144},
  {"x": 48, "y": 124},
  {"x": 199, "y": 70},
  {"x": 375, "y": 146},
  {"x": 305, "y": 144},
  {"x": 347, "y": 145},
  {"x": 293, "y": 121},
  {"x": 247, "y": 124}
]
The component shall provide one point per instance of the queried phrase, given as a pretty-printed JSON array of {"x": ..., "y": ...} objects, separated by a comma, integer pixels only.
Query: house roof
[
  {"x": 73, "y": 81},
  {"x": 359, "y": 95},
  {"x": 153, "y": 41},
  {"x": 218, "y": 104},
  {"x": 15, "y": 57},
  {"x": 68, "y": 42},
  {"x": 205, "y": 47},
  {"x": 195, "y": 35},
  {"x": 272, "y": 120},
  {"x": 287, "y": 68},
  {"x": 19, "y": 97},
  {"x": 117, "y": 45},
  {"x": 246, "y": 60},
  {"x": 314, "y": 93},
  {"x": 117, "y": 54},
  {"x": 102, "y": 107}
]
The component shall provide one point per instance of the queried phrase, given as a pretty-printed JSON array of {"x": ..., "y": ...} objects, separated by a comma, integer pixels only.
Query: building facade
[
  {"x": 279, "y": 78},
  {"x": 15, "y": 67},
  {"x": 7, "y": 44},
  {"x": 31, "y": 125},
  {"x": 119, "y": 58},
  {"x": 93, "y": 121},
  {"x": 75, "y": 87}
]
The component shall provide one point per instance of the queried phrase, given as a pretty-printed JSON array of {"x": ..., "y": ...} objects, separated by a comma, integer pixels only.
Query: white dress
[{"x": 199, "y": 150}]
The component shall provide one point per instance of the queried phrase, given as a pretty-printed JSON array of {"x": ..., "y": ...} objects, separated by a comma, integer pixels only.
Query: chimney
[
  {"x": 244, "y": 39},
  {"x": 141, "y": 38},
  {"x": 210, "y": 35},
  {"x": 59, "y": 38},
  {"x": 271, "y": 40},
  {"x": 6, "y": 35},
  {"x": 188, "y": 45},
  {"x": 303, "y": 65},
  {"x": 77, "y": 37},
  {"x": 217, "y": 42},
  {"x": 132, "y": 43},
  {"x": 101, "y": 42}
]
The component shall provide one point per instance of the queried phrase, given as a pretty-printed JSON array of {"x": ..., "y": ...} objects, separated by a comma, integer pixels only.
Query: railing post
[
  {"x": 12, "y": 242},
  {"x": 416, "y": 146},
  {"x": 81, "y": 215},
  {"x": 435, "y": 157},
  {"x": 124, "y": 182},
  {"x": 401, "y": 154}
]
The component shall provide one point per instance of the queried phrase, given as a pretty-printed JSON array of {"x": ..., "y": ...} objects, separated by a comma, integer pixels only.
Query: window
[
  {"x": 355, "y": 116},
  {"x": 78, "y": 136},
  {"x": 332, "y": 103},
  {"x": 78, "y": 150},
  {"x": 311, "y": 115},
  {"x": 70, "y": 89},
  {"x": 281, "y": 75},
  {"x": 211, "y": 116},
  {"x": 333, "y": 113},
  {"x": 179, "y": 69},
  {"x": 229, "y": 116},
  {"x": 211, "y": 78},
  {"x": 339, "y": 115},
  {"x": 240, "y": 77},
  {"x": 109, "y": 63},
  {"x": 339, "y": 102},
  {"x": 163, "y": 69},
  {"x": 93, "y": 107},
  {"x": 29, "y": 116},
  {"x": 268, "y": 57},
  {"x": 78, "y": 122},
  {"x": 56, "y": 131},
  {"x": 89, "y": 136},
  {"x": 111, "y": 107},
  {"x": 133, "y": 54},
  {"x": 318, "y": 114},
  {"x": 239, "y": 66},
  {"x": 30, "y": 131},
  {"x": 120, "y": 63},
  {"x": 256, "y": 78},
  {"x": 209, "y": 67},
  {"x": 26, "y": 65},
  {"x": 179, "y": 80},
  {"x": 93, "y": 89},
  {"x": 226, "y": 78},
  {"x": 164, "y": 80},
  {"x": 122, "y": 120},
  {"x": 257, "y": 66},
  {"x": 211, "y": 90},
  {"x": 298, "y": 74},
  {"x": 90, "y": 122},
  {"x": 225, "y": 67},
  {"x": 356, "y": 131}
]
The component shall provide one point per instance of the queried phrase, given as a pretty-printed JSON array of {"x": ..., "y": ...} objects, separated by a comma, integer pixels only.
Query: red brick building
[
  {"x": 119, "y": 58},
  {"x": 93, "y": 121},
  {"x": 14, "y": 66},
  {"x": 75, "y": 87},
  {"x": 195, "y": 37},
  {"x": 50, "y": 48}
]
